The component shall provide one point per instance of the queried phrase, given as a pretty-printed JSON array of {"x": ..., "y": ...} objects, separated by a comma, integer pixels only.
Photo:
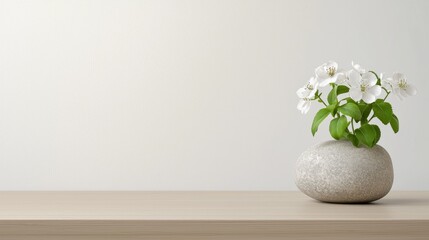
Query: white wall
[{"x": 191, "y": 95}]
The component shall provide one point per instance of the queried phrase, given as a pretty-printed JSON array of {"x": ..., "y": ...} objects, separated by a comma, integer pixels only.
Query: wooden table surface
[{"x": 208, "y": 215}]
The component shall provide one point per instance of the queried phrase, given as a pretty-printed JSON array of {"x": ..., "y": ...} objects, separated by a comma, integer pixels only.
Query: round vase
[{"x": 338, "y": 172}]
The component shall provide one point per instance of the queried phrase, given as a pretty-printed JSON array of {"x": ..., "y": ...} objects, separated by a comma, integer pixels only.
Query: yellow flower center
[
  {"x": 330, "y": 71},
  {"x": 402, "y": 84}
]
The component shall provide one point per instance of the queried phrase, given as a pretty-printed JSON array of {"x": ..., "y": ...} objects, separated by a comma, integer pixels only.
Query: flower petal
[
  {"x": 327, "y": 81},
  {"x": 331, "y": 64},
  {"x": 302, "y": 92},
  {"x": 300, "y": 104},
  {"x": 398, "y": 76},
  {"x": 303, "y": 106},
  {"x": 341, "y": 78},
  {"x": 354, "y": 79},
  {"x": 368, "y": 97},
  {"x": 312, "y": 81},
  {"x": 358, "y": 68},
  {"x": 387, "y": 83},
  {"x": 307, "y": 106},
  {"x": 374, "y": 90},
  {"x": 369, "y": 78},
  {"x": 320, "y": 72},
  {"x": 403, "y": 93},
  {"x": 312, "y": 93},
  {"x": 355, "y": 94},
  {"x": 411, "y": 90},
  {"x": 397, "y": 92}
]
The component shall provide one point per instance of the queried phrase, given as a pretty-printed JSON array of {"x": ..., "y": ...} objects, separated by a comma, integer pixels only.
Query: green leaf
[
  {"x": 336, "y": 90},
  {"x": 394, "y": 123},
  {"x": 377, "y": 136},
  {"x": 338, "y": 126},
  {"x": 350, "y": 109},
  {"x": 383, "y": 111},
  {"x": 367, "y": 135},
  {"x": 332, "y": 96},
  {"x": 350, "y": 100},
  {"x": 342, "y": 89},
  {"x": 352, "y": 138},
  {"x": 365, "y": 109},
  {"x": 320, "y": 116},
  {"x": 333, "y": 108}
]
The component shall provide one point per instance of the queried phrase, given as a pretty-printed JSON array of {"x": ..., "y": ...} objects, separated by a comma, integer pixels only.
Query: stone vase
[{"x": 338, "y": 172}]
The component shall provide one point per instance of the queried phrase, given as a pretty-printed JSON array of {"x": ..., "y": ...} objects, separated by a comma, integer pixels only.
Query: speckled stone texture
[{"x": 338, "y": 172}]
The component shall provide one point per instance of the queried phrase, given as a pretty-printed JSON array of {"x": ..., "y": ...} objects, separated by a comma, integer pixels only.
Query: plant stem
[
  {"x": 378, "y": 79},
  {"x": 322, "y": 101},
  {"x": 353, "y": 127},
  {"x": 387, "y": 94}
]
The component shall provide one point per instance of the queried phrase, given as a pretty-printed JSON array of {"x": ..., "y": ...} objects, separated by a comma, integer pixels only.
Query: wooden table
[{"x": 208, "y": 215}]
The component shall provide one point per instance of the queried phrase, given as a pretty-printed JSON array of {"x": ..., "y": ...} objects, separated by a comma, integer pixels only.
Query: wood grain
[{"x": 208, "y": 215}]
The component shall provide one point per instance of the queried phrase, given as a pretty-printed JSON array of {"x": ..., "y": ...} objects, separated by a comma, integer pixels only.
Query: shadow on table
[
  {"x": 402, "y": 201},
  {"x": 388, "y": 201}
]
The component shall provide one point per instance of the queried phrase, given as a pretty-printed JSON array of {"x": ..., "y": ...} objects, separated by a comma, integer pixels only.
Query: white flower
[
  {"x": 348, "y": 74},
  {"x": 329, "y": 73},
  {"x": 304, "y": 105},
  {"x": 309, "y": 90},
  {"x": 358, "y": 68},
  {"x": 307, "y": 94},
  {"x": 399, "y": 85},
  {"x": 386, "y": 82},
  {"x": 363, "y": 87}
]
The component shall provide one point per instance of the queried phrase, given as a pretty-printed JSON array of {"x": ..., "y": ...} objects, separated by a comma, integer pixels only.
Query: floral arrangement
[{"x": 363, "y": 96}]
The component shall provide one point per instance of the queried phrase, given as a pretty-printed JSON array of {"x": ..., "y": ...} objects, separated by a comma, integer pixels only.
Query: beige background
[{"x": 191, "y": 95}]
